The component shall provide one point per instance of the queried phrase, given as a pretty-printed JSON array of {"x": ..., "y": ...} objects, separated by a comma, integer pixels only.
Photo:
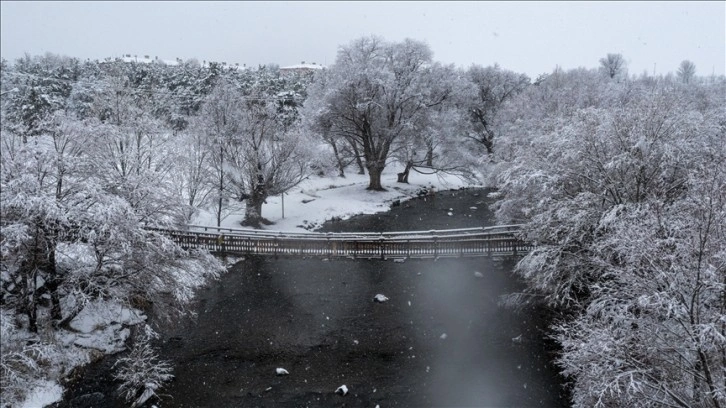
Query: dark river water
[{"x": 440, "y": 340}]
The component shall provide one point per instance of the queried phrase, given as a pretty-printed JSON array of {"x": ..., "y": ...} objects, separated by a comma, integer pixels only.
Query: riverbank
[
  {"x": 441, "y": 338},
  {"x": 318, "y": 200}
]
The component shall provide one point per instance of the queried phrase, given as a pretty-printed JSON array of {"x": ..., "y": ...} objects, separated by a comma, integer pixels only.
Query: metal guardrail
[{"x": 498, "y": 241}]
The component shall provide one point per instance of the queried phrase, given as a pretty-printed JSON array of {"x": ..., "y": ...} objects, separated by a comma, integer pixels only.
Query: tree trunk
[
  {"x": 488, "y": 144},
  {"x": 31, "y": 308},
  {"x": 374, "y": 176},
  {"x": 53, "y": 282},
  {"x": 430, "y": 157},
  {"x": 403, "y": 177},
  {"x": 258, "y": 195},
  {"x": 221, "y": 187},
  {"x": 358, "y": 160},
  {"x": 341, "y": 167},
  {"x": 253, "y": 212},
  {"x": 29, "y": 304}
]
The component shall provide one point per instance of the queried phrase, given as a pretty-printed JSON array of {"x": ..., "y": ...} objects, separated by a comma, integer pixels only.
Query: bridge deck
[{"x": 491, "y": 242}]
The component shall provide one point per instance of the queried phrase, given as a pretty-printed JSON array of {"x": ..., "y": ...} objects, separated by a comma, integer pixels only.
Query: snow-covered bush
[
  {"x": 141, "y": 373},
  {"x": 21, "y": 359}
]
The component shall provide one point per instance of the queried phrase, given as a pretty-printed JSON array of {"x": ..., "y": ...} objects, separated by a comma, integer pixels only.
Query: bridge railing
[
  {"x": 499, "y": 229},
  {"x": 490, "y": 241}
]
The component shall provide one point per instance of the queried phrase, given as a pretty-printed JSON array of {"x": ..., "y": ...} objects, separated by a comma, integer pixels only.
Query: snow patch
[
  {"x": 336, "y": 198},
  {"x": 97, "y": 314},
  {"x": 101, "y": 326},
  {"x": 43, "y": 394},
  {"x": 110, "y": 340}
]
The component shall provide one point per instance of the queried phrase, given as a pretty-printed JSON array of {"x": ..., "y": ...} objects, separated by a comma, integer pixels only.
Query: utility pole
[{"x": 283, "y": 205}]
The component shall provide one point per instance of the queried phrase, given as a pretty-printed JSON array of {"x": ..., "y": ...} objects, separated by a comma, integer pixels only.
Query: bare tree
[
  {"x": 686, "y": 71},
  {"x": 219, "y": 122},
  {"x": 613, "y": 65},
  {"x": 490, "y": 88}
]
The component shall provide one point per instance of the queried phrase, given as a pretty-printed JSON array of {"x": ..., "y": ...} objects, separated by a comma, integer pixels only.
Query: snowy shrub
[
  {"x": 21, "y": 359},
  {"x": 141, "y": 373}
]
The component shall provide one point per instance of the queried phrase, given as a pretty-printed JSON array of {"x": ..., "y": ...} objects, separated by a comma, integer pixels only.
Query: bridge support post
[{"x": 380, "y": 245}]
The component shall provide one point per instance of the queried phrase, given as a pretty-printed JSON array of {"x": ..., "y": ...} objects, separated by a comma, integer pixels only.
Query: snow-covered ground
[
  {"x": 100, "y": 328},
  {"x": 318, "y": 199}
]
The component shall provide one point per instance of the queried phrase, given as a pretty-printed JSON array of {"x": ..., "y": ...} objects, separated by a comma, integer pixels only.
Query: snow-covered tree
[
  {"x": 376, "y": 93},
  {"x": 625, "y": 205},
  {"x": 319, "y": 121},
  {"x": 77, "y": 197},
  {"x": 490, "y": 89},
  {"x": 255, "y": 147}
]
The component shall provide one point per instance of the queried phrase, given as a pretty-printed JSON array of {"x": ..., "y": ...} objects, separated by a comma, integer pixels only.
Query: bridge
[{"x": 497, "y": 241}]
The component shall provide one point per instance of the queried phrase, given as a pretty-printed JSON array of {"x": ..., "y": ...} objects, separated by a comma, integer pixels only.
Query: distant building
[{"x": 301, "y": 68}]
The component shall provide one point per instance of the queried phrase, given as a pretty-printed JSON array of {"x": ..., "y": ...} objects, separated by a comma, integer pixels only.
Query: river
[{"x": 440, "y": 340}]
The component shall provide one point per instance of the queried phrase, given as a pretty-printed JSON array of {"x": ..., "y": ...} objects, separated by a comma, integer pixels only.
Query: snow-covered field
[{"x": 318, "y": 199}]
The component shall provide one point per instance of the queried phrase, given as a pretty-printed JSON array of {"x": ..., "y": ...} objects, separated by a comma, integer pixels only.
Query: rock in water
[
  {"x": 342, "y": 390},
  {"x": 379, "y": 298},
  {"x": 281, "y": 371},
  {"x": 478, "y": 274}
]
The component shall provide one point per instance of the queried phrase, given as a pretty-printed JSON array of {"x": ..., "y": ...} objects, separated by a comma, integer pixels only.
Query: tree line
[
  {"x": 621, "y": 186},
  {"x": 618, "y": 179}
]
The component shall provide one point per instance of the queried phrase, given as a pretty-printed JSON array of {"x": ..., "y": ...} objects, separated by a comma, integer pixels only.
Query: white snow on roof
[
  {"x": 149, "y": 60},
  {"x": 303, "y": 66},
  {"x": 144, "y": 60}
]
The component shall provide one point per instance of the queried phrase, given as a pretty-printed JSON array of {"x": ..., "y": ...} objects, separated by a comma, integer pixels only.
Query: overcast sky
[{"x": 528, "y": 37}]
